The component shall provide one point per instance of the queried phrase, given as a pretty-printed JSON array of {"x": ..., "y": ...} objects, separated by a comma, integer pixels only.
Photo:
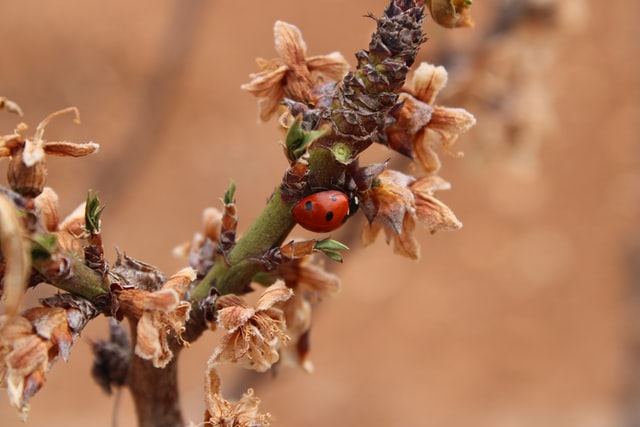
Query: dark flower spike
[{"x": 361, "y": 107}]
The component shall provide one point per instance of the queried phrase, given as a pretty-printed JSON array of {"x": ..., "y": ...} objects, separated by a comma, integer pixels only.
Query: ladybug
[{"x": 324, "y": 211}]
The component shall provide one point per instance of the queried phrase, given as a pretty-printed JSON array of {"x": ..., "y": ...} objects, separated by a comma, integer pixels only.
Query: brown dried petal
[
  {"x": 289, "y": 43},
  {"x": 231, "y": 318},
  {"x": 332, "y": 65},
  {"x": 52, "y": 324},
  {"x": 451, "y": 122},
  {"x": 428, "y": 81},
  {"x": 434, "y": 214},
  {"x": 405, "y": 243},
  {"x": 47, "y": 208},
  {"x": 70, "y": 149},
  {"x": 278, "y": 292}
]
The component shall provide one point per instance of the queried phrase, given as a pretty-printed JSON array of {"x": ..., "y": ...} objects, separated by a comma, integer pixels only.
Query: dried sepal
[
  {"x": 160, "y": 313},
  {"x": 15, "y": 259},
  {"x": 221, "y": 412},
  {"x": 255, "y": 333}
]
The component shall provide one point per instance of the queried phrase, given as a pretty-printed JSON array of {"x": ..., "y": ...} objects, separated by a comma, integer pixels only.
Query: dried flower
[
  {"x": 254, "y": 333},
  {"x": 29, "y": 344},
  {"x": 159, "y": 313},
  {"x": 292, "y": 74},
  {"x": 422, "y": 125},
  {"x": 397, "y": 202},
  {"x": 27, "y": 169},
  {"x": 222, "y": 413}
]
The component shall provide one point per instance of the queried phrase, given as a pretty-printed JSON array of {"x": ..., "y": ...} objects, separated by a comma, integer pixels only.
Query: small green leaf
[
  {"x": 228, "y": 195},
  {"x": 298, "y": 139},
  {"x": 331, "y": 248},
  {"x": 329, "y": 244},
  {"x": 92, "y": 213}
]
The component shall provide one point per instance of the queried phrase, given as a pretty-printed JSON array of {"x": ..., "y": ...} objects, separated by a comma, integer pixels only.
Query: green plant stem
[
  {"x": 233, "y": 273},
  {"x": 78, "y": 280}
]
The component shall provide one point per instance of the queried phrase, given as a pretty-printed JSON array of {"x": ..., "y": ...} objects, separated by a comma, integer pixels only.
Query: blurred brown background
[{"x": 528, "y": 316}]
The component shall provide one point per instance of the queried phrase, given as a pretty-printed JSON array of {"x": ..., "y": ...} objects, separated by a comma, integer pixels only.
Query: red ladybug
[{"x": 322, "y": 212}]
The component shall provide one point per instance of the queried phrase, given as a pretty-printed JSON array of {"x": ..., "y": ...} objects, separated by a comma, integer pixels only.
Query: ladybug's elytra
[{"x": 322, "y": 212}]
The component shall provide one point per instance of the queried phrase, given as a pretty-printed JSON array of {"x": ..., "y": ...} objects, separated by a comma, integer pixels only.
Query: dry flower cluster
[{"x": 329, "y": 115}]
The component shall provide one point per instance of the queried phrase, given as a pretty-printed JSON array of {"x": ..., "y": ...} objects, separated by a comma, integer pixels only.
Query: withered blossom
[
  {"x": 160, "y": 313},
  {"x": 423, "y": 125},
  {"x": 29, "y": 344},
  {"x": 397, "y": 202},
  {"x": 292, "y": 75},
  {"x": 256, "y": 333},
  {"x": 310, "y": 283},
  {"x": 222, "y": 413},
  {"x": 27, "y": 169}
]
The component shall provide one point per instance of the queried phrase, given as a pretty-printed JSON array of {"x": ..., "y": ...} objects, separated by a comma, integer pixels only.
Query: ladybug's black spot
[
  {"x": 329, "y": 216},
  {"x": 308, "y": 206}
]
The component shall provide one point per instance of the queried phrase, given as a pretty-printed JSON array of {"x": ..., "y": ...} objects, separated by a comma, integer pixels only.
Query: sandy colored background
[{"x": 526, "y": 317}]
